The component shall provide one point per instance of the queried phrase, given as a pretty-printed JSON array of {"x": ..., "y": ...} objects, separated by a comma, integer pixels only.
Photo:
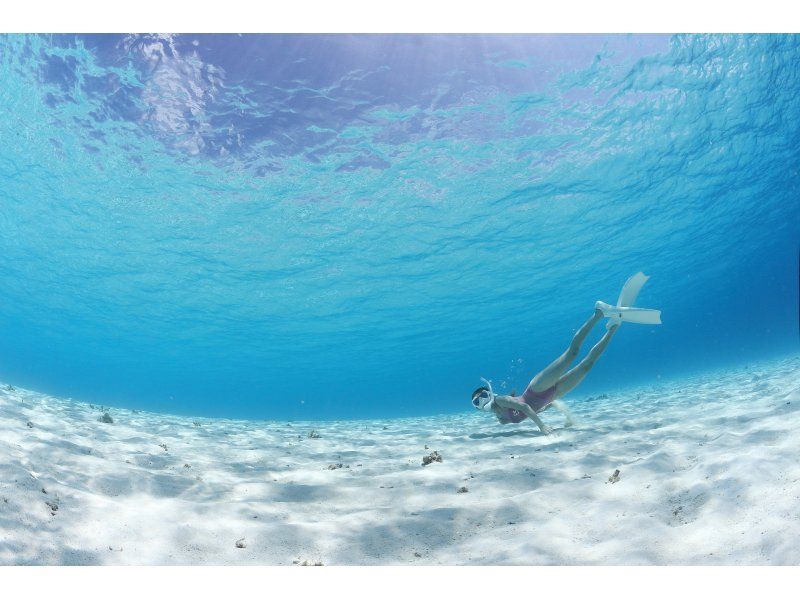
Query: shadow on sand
[{"x": 508, "y": 434}]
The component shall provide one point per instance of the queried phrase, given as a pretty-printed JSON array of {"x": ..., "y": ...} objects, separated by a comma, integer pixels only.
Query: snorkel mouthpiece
[{"x": 486, "y": 400}]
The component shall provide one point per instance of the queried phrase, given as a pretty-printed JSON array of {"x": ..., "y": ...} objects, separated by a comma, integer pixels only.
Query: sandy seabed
[{"x": 709, "y": 473}]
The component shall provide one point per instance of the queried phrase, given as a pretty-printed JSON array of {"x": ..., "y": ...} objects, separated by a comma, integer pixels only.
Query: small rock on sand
[
  {"x": 313, "y": 434},
  {"x": 29, "y": 424},
  {"x": 240, "y": 543},
  {"x": 106, "y": 419},
  {"x": 614, "y": 477},
  {"x": 335, "y": 466},
  {"x": 433, "y": 457},
  {"x": 462, "y": 490}
]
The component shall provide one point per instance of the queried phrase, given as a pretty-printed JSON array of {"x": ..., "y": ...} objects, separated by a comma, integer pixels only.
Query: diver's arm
[
  {"x": 526, "y": 409},
  {"x": 504, "y": 401}
]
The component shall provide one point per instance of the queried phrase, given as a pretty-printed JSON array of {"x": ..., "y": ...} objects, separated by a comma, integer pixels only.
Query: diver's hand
[{"x": 546, "y": 430}]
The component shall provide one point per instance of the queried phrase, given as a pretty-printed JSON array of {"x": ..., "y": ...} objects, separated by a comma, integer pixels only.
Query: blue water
[{"x": 358, "y": 226}]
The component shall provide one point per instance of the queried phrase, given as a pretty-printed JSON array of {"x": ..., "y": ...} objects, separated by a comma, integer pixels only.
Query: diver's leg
[
  {"x": 550, "y": 375},
  {"x": 563, "y": 409},
  {"x": 573, "y": 377}
]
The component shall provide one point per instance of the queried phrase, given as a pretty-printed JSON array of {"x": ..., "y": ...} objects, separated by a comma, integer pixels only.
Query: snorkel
[{"x": 485, "y": 403}]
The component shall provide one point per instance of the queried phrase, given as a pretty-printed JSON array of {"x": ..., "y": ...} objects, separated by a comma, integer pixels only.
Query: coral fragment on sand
[{"x": 433, "y": 457}]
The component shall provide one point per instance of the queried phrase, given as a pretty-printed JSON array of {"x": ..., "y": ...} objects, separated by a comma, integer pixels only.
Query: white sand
[{"x": 710, "y": 474}]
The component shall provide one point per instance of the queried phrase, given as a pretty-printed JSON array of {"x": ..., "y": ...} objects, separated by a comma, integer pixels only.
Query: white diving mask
[{"x": 485, "y": 400}]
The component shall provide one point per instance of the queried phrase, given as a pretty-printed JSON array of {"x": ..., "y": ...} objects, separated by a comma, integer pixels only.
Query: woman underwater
[{"x": 553, "y": 382}]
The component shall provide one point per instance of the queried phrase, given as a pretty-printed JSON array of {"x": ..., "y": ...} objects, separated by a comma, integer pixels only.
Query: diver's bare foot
[{"x": 546, "y": 430}]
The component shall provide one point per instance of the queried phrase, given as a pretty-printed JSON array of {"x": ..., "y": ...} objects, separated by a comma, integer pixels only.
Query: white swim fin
[
  {"x": 630, "y": 290},
  {"x": 635, "y": 315},
  {"x": 624, "y": 311}
]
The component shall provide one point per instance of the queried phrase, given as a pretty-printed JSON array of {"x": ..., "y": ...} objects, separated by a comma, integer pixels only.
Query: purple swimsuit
[{"x": 535, "y": 400}]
